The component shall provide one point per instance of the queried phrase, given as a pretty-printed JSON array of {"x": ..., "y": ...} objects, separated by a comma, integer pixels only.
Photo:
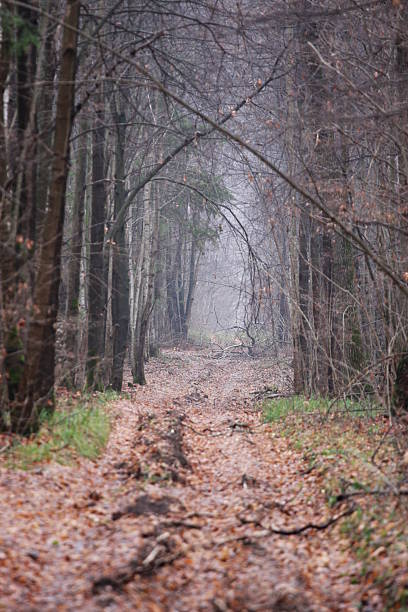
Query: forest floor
[{"x": 196, "y": 504}]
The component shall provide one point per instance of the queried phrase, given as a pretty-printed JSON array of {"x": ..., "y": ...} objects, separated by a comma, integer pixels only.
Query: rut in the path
[{"x": 182, "y": 512}]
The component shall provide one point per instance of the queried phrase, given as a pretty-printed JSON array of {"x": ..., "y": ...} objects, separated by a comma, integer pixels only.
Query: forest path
[{"x": 178, "y": 515}]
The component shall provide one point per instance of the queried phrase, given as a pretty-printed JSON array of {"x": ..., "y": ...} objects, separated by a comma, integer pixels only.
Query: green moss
[
  {"x": 14, "y": 361},
  {"x": 75, "y": 305}
]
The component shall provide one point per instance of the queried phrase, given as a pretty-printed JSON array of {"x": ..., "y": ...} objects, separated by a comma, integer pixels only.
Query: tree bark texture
[
  {"x": 120, "y": 261},
  {"x": 97, "y": 280},
  {"x": 74, "y": 264},
  {"x": 146, "y": 295},
  {"x": 36, "y": 387}
]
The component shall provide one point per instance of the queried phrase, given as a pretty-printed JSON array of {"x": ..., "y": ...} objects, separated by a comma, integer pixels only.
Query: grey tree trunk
[
  {"x": 74, "y": 265},
  {"x": 120, "y": 259},
  {"x": 151, "y": 226},
  {"x": 192, "y": 274},
  {"x": 97, "y": 281},
  {"x": 302, "y": 347}
]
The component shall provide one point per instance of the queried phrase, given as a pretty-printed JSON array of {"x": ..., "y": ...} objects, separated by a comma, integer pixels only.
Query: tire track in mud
[{"x": 241, "y": 486}]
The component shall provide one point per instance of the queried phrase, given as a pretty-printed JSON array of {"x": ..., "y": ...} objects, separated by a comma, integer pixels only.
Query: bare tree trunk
[
  {"x": 96, "y": 280},
  {"x": 36, "y": 387},
  {"x": 146, "y": 303},
  {"x": 25, "y": 190},
  {"x": 321, "y": 254},
  {"x": 120, "y": 263},
  {"x": 74, "y": 265},
  {"x": 180, "y": 284},
  {"x": 171, "y": 280},
  {"x": 18, "y": 187},
  {"x": 143, "y": 273},
  {"x": 284, "y": 314},
  {"x": 47, "y": 70},
  {"x": 6, "y": 236},
  {"x": 401, "y": 60},
  {"x": 302, "y": 338},
  {"x": 135, "y": 264},
  {"x": 192, "y": 274}
]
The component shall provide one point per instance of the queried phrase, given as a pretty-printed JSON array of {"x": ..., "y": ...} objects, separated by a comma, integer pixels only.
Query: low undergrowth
[
  {"x": 354, "y": 455},
  {"x": 80, "y": 426},
  {"x": 275, "y": 410}
]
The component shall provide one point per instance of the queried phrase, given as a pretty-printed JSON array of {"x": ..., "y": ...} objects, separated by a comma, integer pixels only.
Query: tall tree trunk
[
  {"x": 37, "y": 384},
  {"x": 322, "y": 169},
  {"x": 171, "y": 282},
  {"x": 401, "y": 68},
  {"x": 302, "y": 344},
  {"x": 96, "y": 280},
  {"x": 141, "y": 287},
  {"x": 18, "y": 186},
  {"x": 6, "y": 235},
  {"x": 25, "y": 190},
  {"x": 284, "y": 315},
  {"x": 120, "y": 263},
  {"x": 47, "y": 70},
  {"x": 147, "y": 295},
  {"x": 192, "y": 274},
  {"x": 135, "y": 266},
  {"x": 180, "y": 284},
  {"x": 74, "y": 265}
]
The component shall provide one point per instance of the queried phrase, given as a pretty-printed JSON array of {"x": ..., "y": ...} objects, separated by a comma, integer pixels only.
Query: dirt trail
[{"x": 179, "y": 514}]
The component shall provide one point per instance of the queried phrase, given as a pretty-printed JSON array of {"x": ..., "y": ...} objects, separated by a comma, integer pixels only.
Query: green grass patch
[
  {"x": 78, "y": 427},
  {"x": 280, "y": 408},
  {"x": 275, "y": 410}
]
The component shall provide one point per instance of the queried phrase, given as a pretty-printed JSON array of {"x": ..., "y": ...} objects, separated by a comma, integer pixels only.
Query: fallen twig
[
  {"x": 180, "y": 523},
  {"x": 317, "y": 526},
  {"x": 271, "y": 394},
  {"x": 310, "y": 469},
  {"x": 239, "y": 425},
  {"x": 221, "y": 350},
  {"x": 343, "y": 496},
  {"x": 157, "y": 557},
  {"x": 288, "y": 532},
  {"x": 377, "y": 448},
  {"x": 206, "y": 431}
]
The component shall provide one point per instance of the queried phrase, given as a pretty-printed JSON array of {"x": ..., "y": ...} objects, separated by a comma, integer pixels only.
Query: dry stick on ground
[
  {"x": 157, "y": 557},
  {"x": 181, "y": 523},
  {"x": 206, "y": 431},
  {"x": 343, "y": 496},
  {"x": 222, "y": 350},
  {"x": 288, "y": 532},
  {"x": 270, "y": 394},
  {"x": 379, "y": 445}
]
